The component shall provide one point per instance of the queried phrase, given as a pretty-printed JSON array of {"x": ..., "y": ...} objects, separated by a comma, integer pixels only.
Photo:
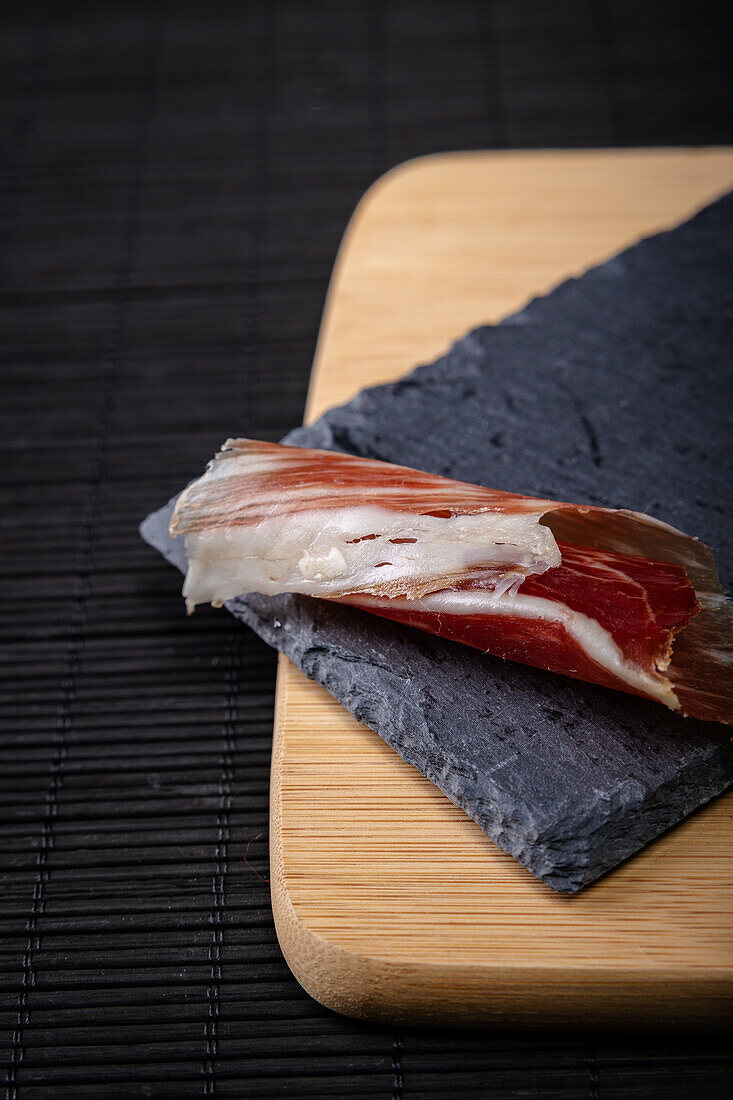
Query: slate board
[{"x": 613, "y": 390}]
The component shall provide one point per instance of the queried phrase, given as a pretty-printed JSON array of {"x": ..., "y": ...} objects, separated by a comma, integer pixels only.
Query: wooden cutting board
[{"x": 389, "y": 902}]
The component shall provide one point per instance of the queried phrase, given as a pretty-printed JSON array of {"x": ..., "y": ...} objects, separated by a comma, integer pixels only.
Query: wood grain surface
[{"x": 389, "y": 902}]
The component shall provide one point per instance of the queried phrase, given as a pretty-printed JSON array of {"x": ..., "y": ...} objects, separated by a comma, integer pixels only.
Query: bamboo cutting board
[{"x": 390, "y": 902}]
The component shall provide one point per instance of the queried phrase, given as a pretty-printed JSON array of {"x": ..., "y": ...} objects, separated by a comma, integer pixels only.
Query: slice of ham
[{"x": 613, "y": 597}]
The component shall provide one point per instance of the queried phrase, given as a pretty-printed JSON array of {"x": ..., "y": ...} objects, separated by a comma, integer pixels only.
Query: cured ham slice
[{"x": 613, "y": 597}]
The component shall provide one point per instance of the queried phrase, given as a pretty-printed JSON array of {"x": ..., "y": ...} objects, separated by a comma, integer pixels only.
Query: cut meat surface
[
  {"x": 641, "y": 603},
  {"x": 613, "y": 597},
  {"x": 600, "y": 616}
]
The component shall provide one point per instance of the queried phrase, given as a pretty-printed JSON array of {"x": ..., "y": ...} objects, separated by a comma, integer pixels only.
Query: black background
[{"x": 175, "y": 184}]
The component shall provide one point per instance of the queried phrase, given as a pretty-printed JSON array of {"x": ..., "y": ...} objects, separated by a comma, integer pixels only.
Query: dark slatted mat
[{"x": 174, "y": 186}]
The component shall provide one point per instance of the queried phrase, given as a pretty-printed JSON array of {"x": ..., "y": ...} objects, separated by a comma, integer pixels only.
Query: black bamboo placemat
[{"x": 174, "y": 186}]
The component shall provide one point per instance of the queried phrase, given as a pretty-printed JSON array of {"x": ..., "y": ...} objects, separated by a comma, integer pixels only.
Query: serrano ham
[{"x": 613, "y": 597}]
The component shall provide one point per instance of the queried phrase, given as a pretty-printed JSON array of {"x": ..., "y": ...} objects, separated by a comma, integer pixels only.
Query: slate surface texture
[{"x": 610, "y": 390}]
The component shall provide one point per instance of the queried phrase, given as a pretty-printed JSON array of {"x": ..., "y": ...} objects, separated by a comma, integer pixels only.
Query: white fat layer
[
  {"x": 328, "y": 553},
  {"x": 596, "y": 642}
]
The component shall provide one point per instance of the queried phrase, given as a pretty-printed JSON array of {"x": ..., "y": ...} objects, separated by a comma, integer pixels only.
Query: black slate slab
[{"x": 614, "y": 390}]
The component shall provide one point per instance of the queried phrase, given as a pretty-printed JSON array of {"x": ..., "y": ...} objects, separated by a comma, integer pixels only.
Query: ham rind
[{"x": 613, "y": 597}]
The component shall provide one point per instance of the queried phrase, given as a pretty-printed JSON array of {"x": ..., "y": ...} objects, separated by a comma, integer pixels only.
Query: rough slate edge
[{"x": 569, "y": 778}]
